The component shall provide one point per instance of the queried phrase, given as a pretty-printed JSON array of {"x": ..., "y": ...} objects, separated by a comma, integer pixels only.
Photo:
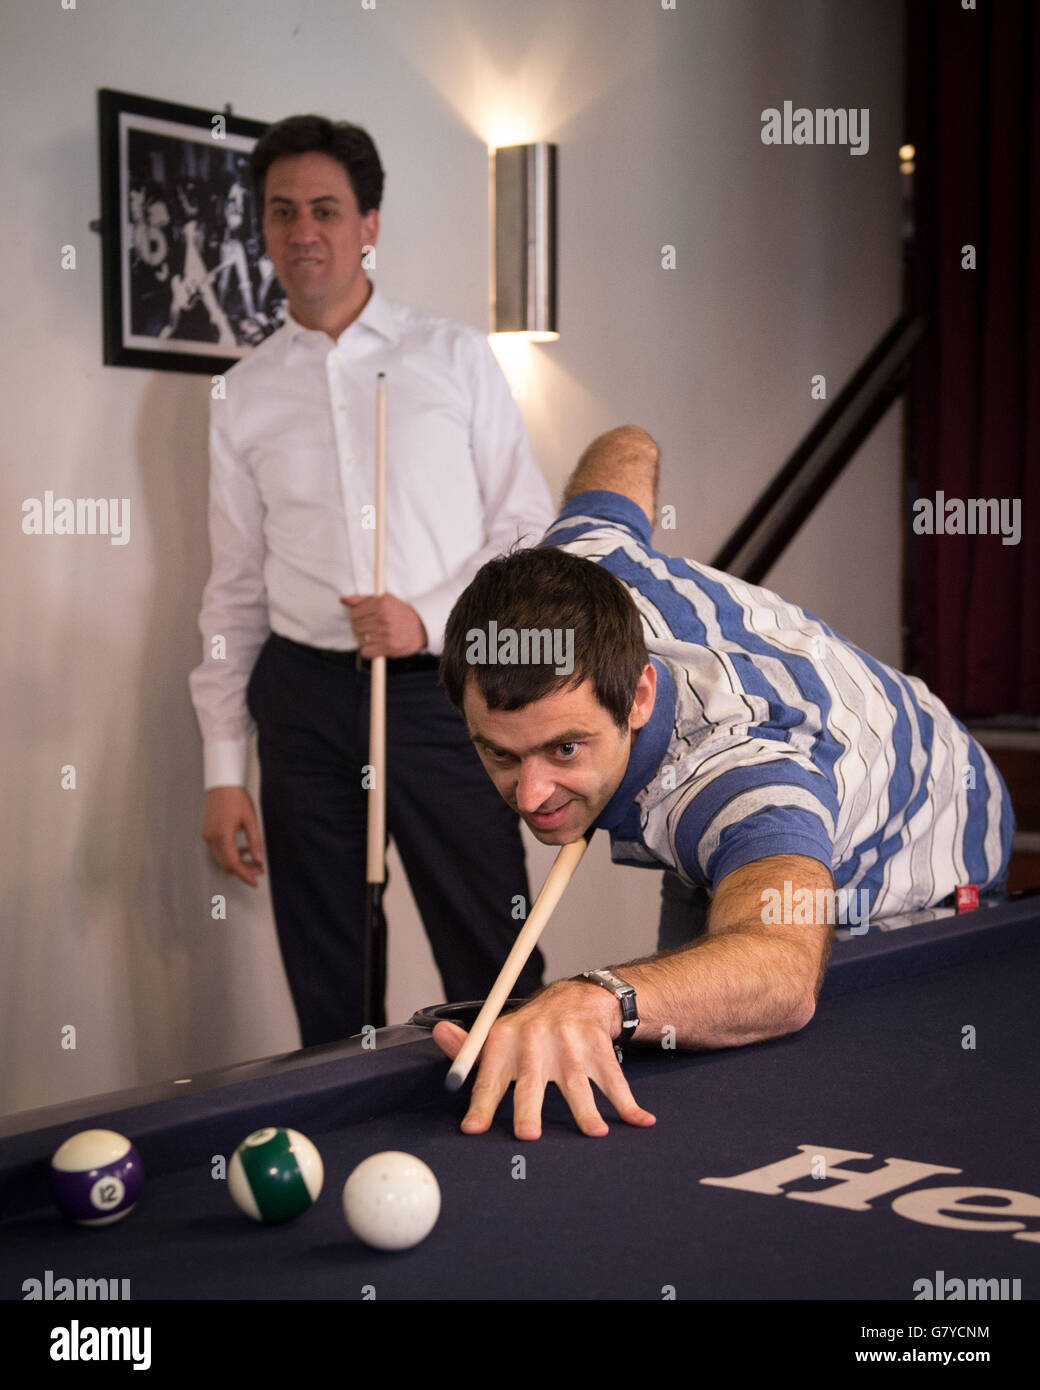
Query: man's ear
[{"x": 643, "y": 700}]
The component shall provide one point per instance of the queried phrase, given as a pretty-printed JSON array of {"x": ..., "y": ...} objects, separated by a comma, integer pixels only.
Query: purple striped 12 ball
[{"x": 96, "y": 1177}]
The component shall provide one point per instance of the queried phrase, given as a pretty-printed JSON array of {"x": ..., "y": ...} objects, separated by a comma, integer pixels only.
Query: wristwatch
[{"x": 625, "y": 994}]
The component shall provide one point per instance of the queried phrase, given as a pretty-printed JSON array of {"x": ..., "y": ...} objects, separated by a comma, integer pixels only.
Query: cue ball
[
  {"x": 275, "y": 1174},
  {"x": 96, "y": 1177},
  {"x": 391, "y": 1201}
]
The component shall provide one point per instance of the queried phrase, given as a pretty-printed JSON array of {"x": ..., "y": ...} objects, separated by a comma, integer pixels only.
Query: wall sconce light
[{"x": 523, "y": 220}]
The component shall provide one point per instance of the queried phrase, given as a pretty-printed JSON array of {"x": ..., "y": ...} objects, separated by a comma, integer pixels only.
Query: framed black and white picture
[{"x": 187, "y": 285}]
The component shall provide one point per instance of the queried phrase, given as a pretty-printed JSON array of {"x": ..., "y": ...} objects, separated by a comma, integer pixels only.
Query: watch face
[{"x": 613, "y": 982}]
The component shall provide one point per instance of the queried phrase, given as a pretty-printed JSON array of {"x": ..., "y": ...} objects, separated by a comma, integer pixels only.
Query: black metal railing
[{"x": 821, "y": 457}]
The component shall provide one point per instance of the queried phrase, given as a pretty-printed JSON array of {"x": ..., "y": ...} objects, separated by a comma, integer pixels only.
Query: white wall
[{"x": 788, "y": 265}]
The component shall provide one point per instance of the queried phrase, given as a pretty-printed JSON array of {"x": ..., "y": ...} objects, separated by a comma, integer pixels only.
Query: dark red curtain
[{"x": 974, "y": 401}]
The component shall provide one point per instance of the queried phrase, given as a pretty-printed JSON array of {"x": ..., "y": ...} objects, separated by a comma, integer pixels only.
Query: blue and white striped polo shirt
[{"x": 772, "y": 734}]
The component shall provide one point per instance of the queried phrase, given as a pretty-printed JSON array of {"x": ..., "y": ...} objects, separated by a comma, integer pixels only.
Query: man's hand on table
[
  {"x": 385, "y": 625},
  {"x": 563, "y": 1035}
]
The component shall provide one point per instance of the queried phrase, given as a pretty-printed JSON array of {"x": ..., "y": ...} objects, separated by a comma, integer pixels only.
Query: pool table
[{"x": 923, "y": 1056}]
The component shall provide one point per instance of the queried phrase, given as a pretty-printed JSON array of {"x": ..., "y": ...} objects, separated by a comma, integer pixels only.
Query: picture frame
[{"x": 186, "y": 282}]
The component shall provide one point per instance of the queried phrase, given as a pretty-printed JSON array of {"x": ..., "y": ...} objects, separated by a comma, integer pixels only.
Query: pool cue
[
  {"x": 556, "y": 880},
  {"x": 375, "y": 870}
]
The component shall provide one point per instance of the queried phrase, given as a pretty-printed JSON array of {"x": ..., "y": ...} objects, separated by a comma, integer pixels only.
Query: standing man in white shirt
[{"x": 289, "y": 621}]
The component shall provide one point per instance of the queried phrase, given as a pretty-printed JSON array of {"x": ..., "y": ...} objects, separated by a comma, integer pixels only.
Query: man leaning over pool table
[{"x": 714, "y": 730}]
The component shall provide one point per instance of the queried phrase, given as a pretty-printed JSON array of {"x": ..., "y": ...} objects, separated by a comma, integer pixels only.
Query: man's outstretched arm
[
  {"x": 743, "y": 982},
  {"x": 624, "y": 460}
]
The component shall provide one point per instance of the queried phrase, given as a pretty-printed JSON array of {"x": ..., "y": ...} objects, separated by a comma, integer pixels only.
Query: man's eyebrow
[
  {"x": 321, "y": 198},
  {"x": 567, "y": 736}
]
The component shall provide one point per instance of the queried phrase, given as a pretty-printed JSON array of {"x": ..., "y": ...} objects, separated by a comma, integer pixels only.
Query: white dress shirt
[{"x": 292, "y": 494}]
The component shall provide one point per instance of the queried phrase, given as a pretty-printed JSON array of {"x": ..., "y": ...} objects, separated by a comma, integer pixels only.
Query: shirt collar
[
  {"x": 377, "y": 317},
  {"x": 648, "y": 750},
  {"x": 612, "y": 507}
]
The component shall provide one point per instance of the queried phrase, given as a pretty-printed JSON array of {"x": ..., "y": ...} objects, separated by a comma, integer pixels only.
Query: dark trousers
[{"x": 458, "y": 840}]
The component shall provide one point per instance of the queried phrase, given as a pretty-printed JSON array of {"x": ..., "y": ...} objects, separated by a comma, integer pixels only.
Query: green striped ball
[{"x": 275, "y": 1174}]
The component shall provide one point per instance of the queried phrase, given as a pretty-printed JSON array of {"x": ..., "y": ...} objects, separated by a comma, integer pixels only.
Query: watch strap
[{"x": 626, "y": 997}]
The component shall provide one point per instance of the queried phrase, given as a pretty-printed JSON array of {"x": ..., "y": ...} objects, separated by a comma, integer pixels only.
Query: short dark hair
[
  {"x": 548, "y": 588},
  {"x": 348, "y": 144}
]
